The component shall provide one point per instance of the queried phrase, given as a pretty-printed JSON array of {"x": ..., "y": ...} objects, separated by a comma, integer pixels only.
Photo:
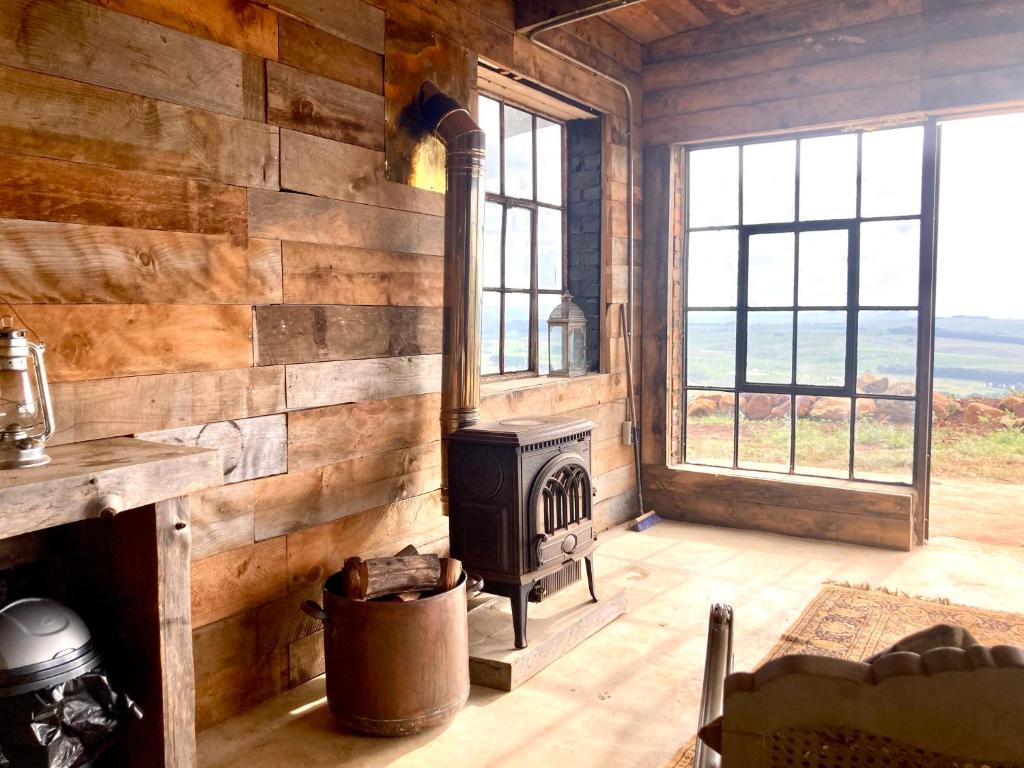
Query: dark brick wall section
[{"x": 583, "y": 138}]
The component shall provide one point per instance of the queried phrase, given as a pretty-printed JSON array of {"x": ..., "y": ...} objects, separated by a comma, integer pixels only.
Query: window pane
[
  {"x": 490, "y": 117},
  {"x": 490, "y": 337},
  {"x": 884, "y": 441},
  {"x": 546, "y": 302},
  {"x": 517, "y": 248},
  {"x": 709, "y": 427},
  {"x": 769, "y": 182},
  {"x": 549, "y": 162},
  {"x": 492, "y": 245},
  {"x": 517, "y": 332},
  {"x": 821, "y": 348},
  {"x": 518, "y": 153},
  {"x": 890, "y": 255},
  {"x": 549, "y": 248},
  {"x": 887, "y": 353},
  {"x": 711, "y": 349},
  {"x": 770, "y": 275},
  {"x": 714, "y": 199},
  {"x": 891, "y": 172},
  {"x": 770, "y": 347},
  {"x": 823, "y": 268},
  {"x": 828, "y": 177},
  {"x": 823, "y": 436},
  {"x": 711, "y": 268},
  {"x": 764, "y": 432}
]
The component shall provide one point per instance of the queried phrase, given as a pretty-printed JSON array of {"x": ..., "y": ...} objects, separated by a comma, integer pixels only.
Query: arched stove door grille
[{"x": 561, "y": 507}]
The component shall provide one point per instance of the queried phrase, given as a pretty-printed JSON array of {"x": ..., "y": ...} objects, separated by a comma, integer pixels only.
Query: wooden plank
[
  {"x": 340, "y": 171},
  {"x": 312, "y": 385},
  {"x": 235, "y": 23},
  {"x": 53, "y": 190},
  {"x": 608, "y": 455},
  {"x": 334, "y": 274},
  {"x": 654, "y": 366},
  {"x": 66, "y": 120},
  {"x": 531, "y": 13},
  {"x": 315, "y": 496},
  {"x": 553, "y": 396},
  {"x": 309, "y": 48},
  {"x": 614, "y": 482},
  {"x": 316, "y": 553},
  {"x": 804, "y": 19},
  {"x": 249, "y": 448},
  {"x": 310, "y": 333},
  {"x": 231, "y": 672},
  {"x": 306, "y": 658},
  {"x": 513, "y": 91},
  {"x": 223, "y": 518},
  {"x": 463, "y": 23},
  {"x": 329, "y": 435},
  {"x": 615, "y": 510},
  {"x": 95, "y": 341},
  {"x": 88, "y": 410},
  {"x": 173, "y": 608},
  {"x": 254, "y": 88},
  {"x": 352, "y": 20},
  {"x": 544, "y": 67},
  {"x": 68, "y": 489},
  {"x": 52, "y": 263},
  {"x": 307, "y": 219},
  {"x": 601, "y": 35},
  {"x": 73, "y": 39},
  {"x": 237, "y": 580},
  {"x": 324, "y": 107}
]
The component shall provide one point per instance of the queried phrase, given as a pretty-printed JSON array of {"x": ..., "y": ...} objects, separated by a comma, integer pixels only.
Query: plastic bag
[{"x": 65, "y": 726}]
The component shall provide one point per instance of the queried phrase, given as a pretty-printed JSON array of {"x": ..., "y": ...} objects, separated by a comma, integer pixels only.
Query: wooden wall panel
[
  {"x": 286, "y": 216},
  {"x": 310, "y": 333},
  {"x": 236, "y": 23},
  {"x": 53, "y": 190},
  {"x": 53, "y": 263},
  {"x": 239, "y": 579},
  {"x": 223, "y": 518},
  {"x": 328, "y": 435},
  {"x": 249, "y": 448},
  {"x": 321, "y": 53},
  {"x": 312, "y": 385},
  {"x": 340, "y": 171},
  {"x": 66, "y": 120},
  {"x": 73, "y": 39},
  {"x": 90, "y": 410},
  {"x": 351, "y": 20},
  {"x": 105, "y": 340},
  {"x": 334, "y": 274},
  {"x": 324, "y": 107},
  {"x": 312, "y": 497}
]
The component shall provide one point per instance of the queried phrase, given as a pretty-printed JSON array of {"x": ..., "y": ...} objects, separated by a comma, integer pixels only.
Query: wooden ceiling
[{"x": 654, "y": 19}]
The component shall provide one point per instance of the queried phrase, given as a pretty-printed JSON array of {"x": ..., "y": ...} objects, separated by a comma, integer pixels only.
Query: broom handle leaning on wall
[{"x": 631, "y": 404}]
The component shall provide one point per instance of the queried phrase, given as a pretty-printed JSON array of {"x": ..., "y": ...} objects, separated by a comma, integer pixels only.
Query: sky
[{"x": 981, "y": 218}]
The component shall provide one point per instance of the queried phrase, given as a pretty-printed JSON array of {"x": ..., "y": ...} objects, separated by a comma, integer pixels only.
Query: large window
[
  {"x": 802, "y": 303},
  {"x": 524, "y": 240}
]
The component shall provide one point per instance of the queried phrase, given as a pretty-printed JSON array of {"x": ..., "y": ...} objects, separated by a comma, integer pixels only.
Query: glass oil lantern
[
  {"x": 26, "y": 414},
  {"x": 567, "y": 339}
]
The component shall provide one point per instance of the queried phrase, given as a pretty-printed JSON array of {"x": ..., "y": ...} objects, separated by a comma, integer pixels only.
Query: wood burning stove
[{"x": 520, "y": 505}]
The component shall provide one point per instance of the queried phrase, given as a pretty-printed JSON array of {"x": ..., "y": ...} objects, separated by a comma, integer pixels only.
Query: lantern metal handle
[{"x": 44, "y": 390}]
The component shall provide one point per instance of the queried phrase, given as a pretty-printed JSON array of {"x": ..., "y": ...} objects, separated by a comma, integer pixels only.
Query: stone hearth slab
[{"x": 554, "y": 627}]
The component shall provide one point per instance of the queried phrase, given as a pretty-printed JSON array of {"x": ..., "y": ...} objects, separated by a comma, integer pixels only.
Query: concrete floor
[
  {"x": 629, "y": 695},
  {"x": 977, "y": 511}
]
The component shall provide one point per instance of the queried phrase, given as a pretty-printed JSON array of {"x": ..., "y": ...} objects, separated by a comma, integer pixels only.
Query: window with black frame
[
  {"x": 802, "y": 304},
  {"x": 524, "y": 240}
]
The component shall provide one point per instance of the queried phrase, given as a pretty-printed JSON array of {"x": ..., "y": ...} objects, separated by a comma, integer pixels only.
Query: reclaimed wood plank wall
[
  {"x": 832, "y": 62},
  {"x": 194, "y": 217}
]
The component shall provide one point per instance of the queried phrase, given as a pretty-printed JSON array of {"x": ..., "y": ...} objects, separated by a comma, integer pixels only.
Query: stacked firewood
[{"x": 406, "y": 576}]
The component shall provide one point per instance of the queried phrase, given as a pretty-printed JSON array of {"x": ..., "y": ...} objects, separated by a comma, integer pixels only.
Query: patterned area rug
[{"x": 857, "y": 622}]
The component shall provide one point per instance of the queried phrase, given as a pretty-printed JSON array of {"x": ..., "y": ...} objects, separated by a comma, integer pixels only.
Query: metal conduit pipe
[{"x": 531, "y": 35}]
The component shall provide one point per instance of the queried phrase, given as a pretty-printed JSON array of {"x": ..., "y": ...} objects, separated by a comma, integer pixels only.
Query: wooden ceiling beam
[{"x": 532, "y": 13}]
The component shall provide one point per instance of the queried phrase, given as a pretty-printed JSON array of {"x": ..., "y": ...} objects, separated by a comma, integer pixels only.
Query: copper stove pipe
[{"x": 465, "y": 145}]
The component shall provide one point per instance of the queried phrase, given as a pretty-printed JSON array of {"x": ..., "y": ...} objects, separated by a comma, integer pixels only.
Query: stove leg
[
  {"x": 520, "y": 599},
  {"x": 590, "y": 577}
]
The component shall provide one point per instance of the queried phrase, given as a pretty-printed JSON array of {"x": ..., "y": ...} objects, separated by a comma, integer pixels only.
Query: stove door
[{"x": 561, "y": 510}]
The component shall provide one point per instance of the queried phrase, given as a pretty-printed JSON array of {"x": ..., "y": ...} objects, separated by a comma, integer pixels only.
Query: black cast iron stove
[{"x": 520, "y": 507}]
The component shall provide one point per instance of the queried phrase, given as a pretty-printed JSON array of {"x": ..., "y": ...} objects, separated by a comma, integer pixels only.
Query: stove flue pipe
[{"x": 465, "y": 145}]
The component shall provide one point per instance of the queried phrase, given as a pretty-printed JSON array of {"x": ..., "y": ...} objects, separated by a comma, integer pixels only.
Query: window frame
[
  {"x": 533, "y": 205},
  {"x": 923, "y": 309}
]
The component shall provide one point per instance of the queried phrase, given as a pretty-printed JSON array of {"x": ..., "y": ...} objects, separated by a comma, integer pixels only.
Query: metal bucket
[{"x": 394, "y": 668}]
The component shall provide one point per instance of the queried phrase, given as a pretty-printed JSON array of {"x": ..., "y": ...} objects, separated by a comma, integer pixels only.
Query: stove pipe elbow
[{"x": 465, "y": 162}]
